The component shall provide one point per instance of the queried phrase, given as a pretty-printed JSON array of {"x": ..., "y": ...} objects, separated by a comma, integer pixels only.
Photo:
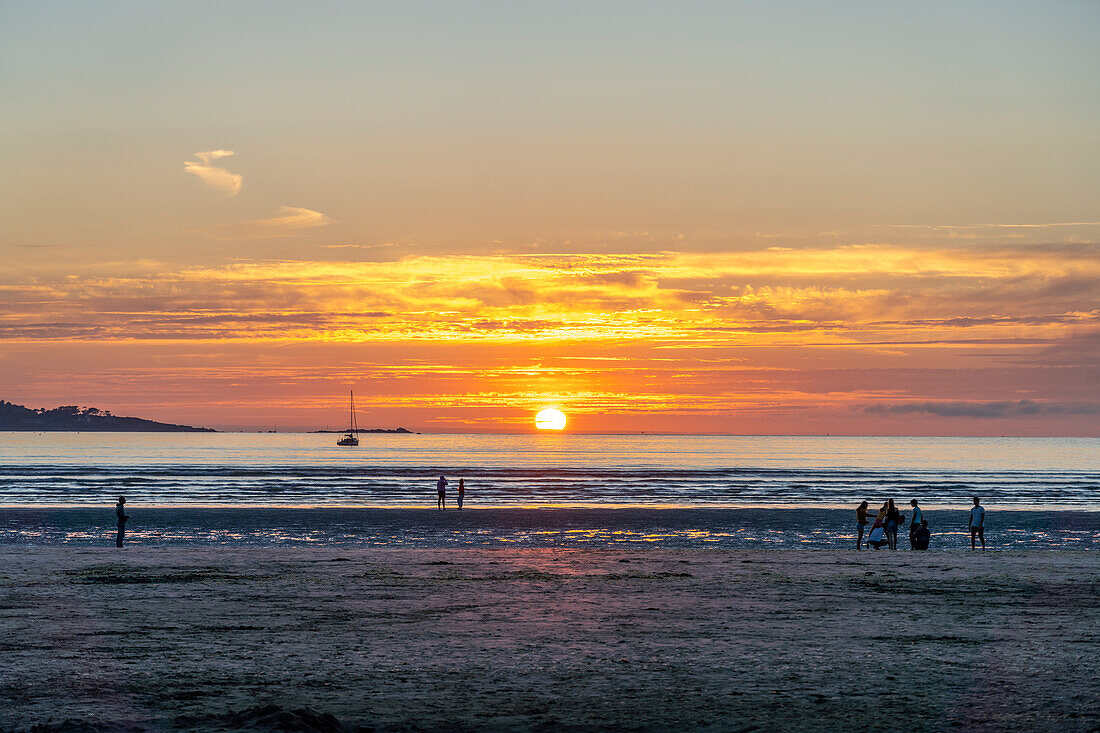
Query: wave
[{"x": 177, "y": 483}]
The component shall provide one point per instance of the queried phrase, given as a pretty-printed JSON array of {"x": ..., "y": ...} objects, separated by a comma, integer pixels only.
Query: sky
[{"x": 715, "y": 217}]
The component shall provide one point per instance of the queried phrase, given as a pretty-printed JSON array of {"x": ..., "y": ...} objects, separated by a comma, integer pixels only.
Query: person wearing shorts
[
  {"x": 893, "y": 521},
  {"x": 861, "y": 524},
  {"x": 977, "y": 523}
]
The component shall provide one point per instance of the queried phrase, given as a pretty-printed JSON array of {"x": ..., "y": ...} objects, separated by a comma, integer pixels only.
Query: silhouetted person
[
  {"x": 441, "y": 492},
  {"x": 893, "y": 519},
  {"x": 914, "y": 523},
  {"x": 461, "y": 491},
  {"x": 880, "y": 523},
  {"x": 120, "y": 512},
  {"x": 920, "y": 536},
  {"x": 977, "y": 523},
  {"x": 861, "y": 524}
]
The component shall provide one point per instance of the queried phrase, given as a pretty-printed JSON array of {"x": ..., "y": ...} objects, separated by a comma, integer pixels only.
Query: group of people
[
  {"x": 441, "y": 492},
  {"x": 884, "y": 529}
]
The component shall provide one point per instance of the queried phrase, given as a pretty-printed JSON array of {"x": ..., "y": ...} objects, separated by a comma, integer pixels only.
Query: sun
[{"x": 550, "y": 419}]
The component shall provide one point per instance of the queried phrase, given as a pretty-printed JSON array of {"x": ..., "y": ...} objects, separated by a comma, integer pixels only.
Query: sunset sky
[{"x": 791, "y": 217}]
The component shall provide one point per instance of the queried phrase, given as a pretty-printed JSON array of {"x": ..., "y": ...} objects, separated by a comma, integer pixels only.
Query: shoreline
[{"x": 563, "y": 527}]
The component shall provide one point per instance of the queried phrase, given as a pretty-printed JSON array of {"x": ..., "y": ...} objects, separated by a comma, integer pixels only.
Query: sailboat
[{"x": 351, "y": 439}]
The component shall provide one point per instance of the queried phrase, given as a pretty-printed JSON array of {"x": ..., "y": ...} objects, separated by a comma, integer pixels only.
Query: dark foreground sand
[{"x": 480, "y": 639}]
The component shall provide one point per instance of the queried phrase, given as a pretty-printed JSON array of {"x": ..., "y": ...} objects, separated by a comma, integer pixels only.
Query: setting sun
[{"x": 550, "y": 419}]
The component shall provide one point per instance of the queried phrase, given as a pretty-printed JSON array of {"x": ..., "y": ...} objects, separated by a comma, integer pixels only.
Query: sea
[{"x": 542, "y": 490}]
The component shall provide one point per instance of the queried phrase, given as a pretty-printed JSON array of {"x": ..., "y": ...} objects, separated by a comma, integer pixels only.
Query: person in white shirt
[
  {"x": 914, "y": 523},
  {"x": 977, "y": 523}
]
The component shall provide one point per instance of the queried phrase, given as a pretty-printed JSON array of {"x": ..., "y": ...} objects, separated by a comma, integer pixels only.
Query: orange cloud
[{"x": 837, "y": 295}]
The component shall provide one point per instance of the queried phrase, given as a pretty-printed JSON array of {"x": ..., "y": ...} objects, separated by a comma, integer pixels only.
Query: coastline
[
  {"x": 564, "y": 527},
  {"x": 166, "y": 638}
]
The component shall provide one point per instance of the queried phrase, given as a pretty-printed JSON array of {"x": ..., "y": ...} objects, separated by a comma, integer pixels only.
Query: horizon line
[{"x": 414, "y": 432}]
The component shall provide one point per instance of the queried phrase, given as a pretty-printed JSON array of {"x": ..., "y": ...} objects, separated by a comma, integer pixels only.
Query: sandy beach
[{"x": 166, "y": 638}]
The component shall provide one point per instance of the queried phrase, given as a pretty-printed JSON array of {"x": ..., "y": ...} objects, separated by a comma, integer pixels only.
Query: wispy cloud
[
  {"x": 217, "y": 178},
  {"x": 1043, "y": 225},
  {"x": 291, "y": 221},
  {"x": 383, "y": 245},
  {"x": 995, "y": 409}
]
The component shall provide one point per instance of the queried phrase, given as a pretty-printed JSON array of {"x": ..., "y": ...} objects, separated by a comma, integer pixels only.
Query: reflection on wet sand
[{"x": 571, "y": 527}]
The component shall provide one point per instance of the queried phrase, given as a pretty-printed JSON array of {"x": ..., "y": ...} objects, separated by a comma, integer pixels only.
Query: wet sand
[
  {"x": 515, "y": 639},
  {"x": 620, "y": 527}
]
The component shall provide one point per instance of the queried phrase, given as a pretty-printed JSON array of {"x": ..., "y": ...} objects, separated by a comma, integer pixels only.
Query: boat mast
[{"x": 354, "y": 428}]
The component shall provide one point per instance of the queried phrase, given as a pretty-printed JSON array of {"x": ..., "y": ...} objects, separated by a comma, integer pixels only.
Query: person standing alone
[
  {"x": 977, "y": 523},
  {"x": 120, "y": 512},
  {"x": 441, "y": 493},
  {"x": 461, "y": 491}
]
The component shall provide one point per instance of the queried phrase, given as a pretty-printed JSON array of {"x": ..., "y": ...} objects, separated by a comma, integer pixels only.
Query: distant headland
[
  {"x": 72, "y": 418},
  {"x": 402, "y": 431}
]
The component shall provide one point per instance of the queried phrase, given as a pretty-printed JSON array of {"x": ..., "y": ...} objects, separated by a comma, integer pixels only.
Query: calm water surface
[{"x": 243, "y": 470}]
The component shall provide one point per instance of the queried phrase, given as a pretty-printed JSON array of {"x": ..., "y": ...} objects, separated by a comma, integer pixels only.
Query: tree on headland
[{"x": 74, "y": 417}]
